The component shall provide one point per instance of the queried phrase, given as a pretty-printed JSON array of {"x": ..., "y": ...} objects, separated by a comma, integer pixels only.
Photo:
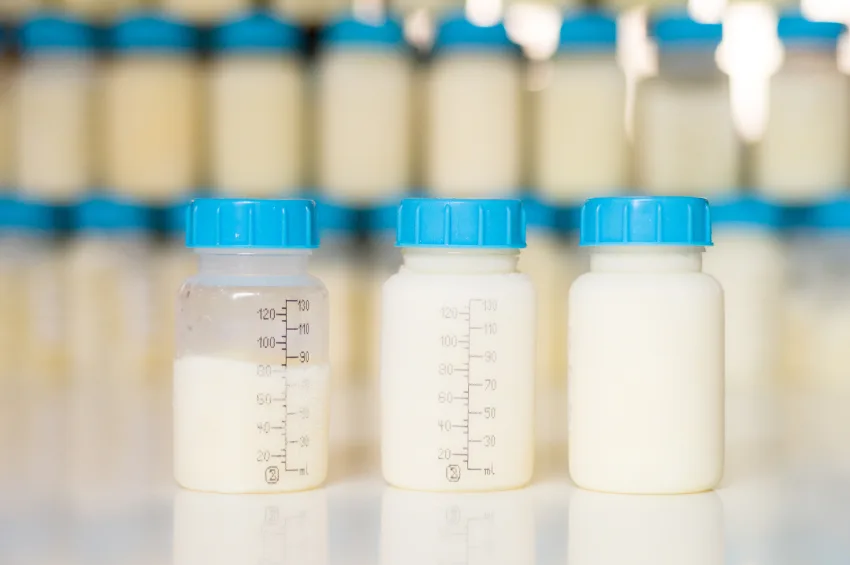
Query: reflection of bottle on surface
[
  {"x": 612, "y": 529},
  {"x": 213, "y": 529},
  {"x": 471, "y": 529}
]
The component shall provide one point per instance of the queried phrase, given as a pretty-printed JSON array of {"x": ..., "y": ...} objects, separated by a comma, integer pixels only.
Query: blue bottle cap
[
  {"x": 356, "y": 33},
  {"x": 459, "y": 34},
  {"x": 174, "y": 218},
  {"x": 252, "y": 224},
  {"x": 155, "y": 33},
  {"x": 336, "y": 218},
  {"x": 540, "y": 214},
  {"x": 111, "y": 214},
  {"x": 646, "y": 220},
  {"x": 456, "y": 223},
  {"x": 747, "y": 210},
  {"x": 795, "y": 29},
  {"x": 569, "y": 219},
  {"x": 831, "y": 215},
  {"x": 588, "y": 32},
  {"x": 56, "y": 33},
  {"x": 383, "y": 218},
  {"x": 28, "y": 216},
  {"x": 258, "y": 32},
  {"x": 674, "y": 30}
]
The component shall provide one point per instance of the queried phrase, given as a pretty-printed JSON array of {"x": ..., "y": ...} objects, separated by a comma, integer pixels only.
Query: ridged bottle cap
[
  {"x": 461, "y": 223},
  {"x": 646, "y": 220}
]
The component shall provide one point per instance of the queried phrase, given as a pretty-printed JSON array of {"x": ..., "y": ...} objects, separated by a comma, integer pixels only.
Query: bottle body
[
  {"x": 365, "y": 118},
  {"x": 251, "y": 376},
  {"x": 205, "y": 11},
  {"x": 474, "y": 125},
  {"x": 311, "y": 12},
  {"x": 645, "y": 377},
  {"x": 99, "y": 9},
  {"x": 457, "y": 374},
  {"x": 256, "y": 117},
  {"x": 580, "y": 128},
  {"x": 151, "y": 120}
]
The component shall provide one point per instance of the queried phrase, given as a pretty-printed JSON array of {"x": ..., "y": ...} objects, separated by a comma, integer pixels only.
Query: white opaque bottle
[
  {"x": 256, "y": 108},
  {"x": 580, "y": 115},
  {"x": 364, "y": 81},
  {"x": 204, "y": 11},
  {"x": 646, "y": 350},
  {"x": 803, "y": 153},
  {"x": 473, "y": 114},
  {"x": 685, "y": 138},
  {"x": 151, "y": 110},
  {"x": 251, "y": 375},
  {"x": 748, "y": 260},
  {"x": 312, "y": 12},
  {"x": 458, "y": 350},
  {"x": 54, "y": 109}
]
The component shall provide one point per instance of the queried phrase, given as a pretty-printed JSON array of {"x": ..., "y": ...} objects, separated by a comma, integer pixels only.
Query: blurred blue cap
[
  {"x": 111, "y": 214},
  {"x": 336, "y": 217},
  {"x": 258, "y": 32},
  {"x": 831, "y": 215},
  {"x": 438, "y": 222},
  {"x": 459, "y": 34},
  {"x": 646, "y": 220},
  {"x": 675, "y": 29},
  {"x": 747, "y": 210},
  {"x": 56, "y": 32},
  {"x": 154, "y": 32},
  {"x": 795, "y": 29},
  {"x": 383, "y": 218},
  {"x": 348, "y": 31},
  {"x": 540, "y": 214},
  {"x": 253, "y": 224},
  {"x": 569, "y": 219},
  {"x": 588, "y": 31},
  {"x": 18, "y": 214}
]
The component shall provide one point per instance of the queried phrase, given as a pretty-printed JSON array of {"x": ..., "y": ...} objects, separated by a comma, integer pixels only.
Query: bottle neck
[
  {"x": 253, "y": 262},
  {"x": 649, "y": 259},
  {"x": 460, "y": 261}
]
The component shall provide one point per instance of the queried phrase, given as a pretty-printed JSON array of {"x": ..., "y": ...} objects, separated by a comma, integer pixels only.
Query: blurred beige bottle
[
  {"x": 433, "y": 6},
  {"x": 7, "y": 76},
  {"x": 803, "y": 154},
  {"x": 315, "y": 12},
  {"x": 580, "y": 115},
  {"x": 204, "y": 11},
  {"x": 19, "y": 8},
  {"x": 151, "y": 140},
  {"x": 364, "y": 81},
  {"x": 686, "y": 143},
  {"x": 54, "y": 109},
  {"x": 100, "y": 10},
  {"x": 256, "y": 108}
]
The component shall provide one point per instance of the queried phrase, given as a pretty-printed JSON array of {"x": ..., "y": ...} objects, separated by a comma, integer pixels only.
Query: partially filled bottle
[
  {"x": 646, "y": 350},
  {"x": 256, "y": 107},
  {"x": 803, "y": 154},
  {"x": 458, "y": 349},
  {"x": 251, "y": 376}
]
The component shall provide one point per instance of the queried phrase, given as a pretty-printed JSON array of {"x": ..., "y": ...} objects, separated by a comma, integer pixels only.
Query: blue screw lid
[
  {"x": 383, "y": 218},
  {"x": 747, "y": 210},
  {"x": 588, "y": 31},
  {"x": 831, "y": 215},
  {"x": 27, "y": 215},
  {"x": 459, "y": 34},
  {"x": 795, "y": 29},
  {"x": 461, "y": 223},
  {"x": 111, "y": 214},
  {"x": 540, "y": 214},
  {"x": 252, "y": 224},
  {"x": 646, "y": 220},
  {"x": 569, "y": 219},
  {"x": 675, "y": 29},
  {"x": 348, "y": 31},
  {"x": 153, "y": 32},
  {"x": 56, "y": 32},
  {"x": 335, "y": 217},
  {"x": 258, "y": 32}
]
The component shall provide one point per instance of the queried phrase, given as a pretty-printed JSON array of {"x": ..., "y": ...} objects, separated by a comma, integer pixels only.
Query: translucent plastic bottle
[
  {"x": 473, "y": 126},
  {"x": 803, "y": 153},
  {"x": 54, "y": 108},
  {"x": 151, "y": 109},
  {"x": 646, "y": 350},
  {"x": 364, "y": 110},
  {"x": 205, "y": 11},
  {"x": 748, "y": 260},
  {"x": 685, "y": 138},
  {"x": 251, "y": 376},
  {"x": 312, "y": 12},
  {"x": 256, "y": 110},
  {"x": 458, "y": 350},
  {"x": 580, "y": 116}
]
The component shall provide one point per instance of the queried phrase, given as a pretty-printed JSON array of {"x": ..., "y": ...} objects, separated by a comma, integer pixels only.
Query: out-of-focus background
[{"x": 113, "y": 113}]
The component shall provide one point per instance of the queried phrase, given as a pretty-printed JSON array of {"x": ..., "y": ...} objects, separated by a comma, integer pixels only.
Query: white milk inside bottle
[
  {"x": 580, "y": 115},
  {"x": 256, "y": 108},
  {"x": 644, "y": 316},
  {"x": 364, "y": 79},
  {"x": 474, "y": 110},
  {"x": 54, "y": 108},
  {"x": 803, "y": 153},
  {"x": 151, "y": 109},
  {"x": 685, "y": 138},
  {"x": 458, "y": 350}
]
